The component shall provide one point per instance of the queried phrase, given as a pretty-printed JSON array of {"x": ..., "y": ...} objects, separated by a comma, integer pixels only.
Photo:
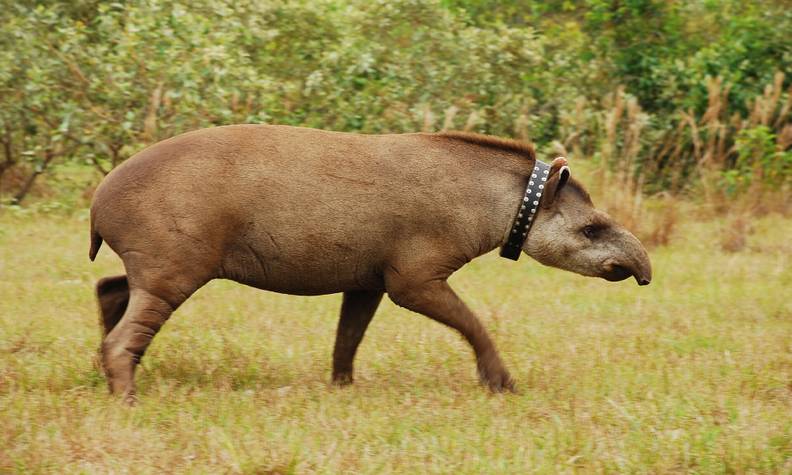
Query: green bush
[
  {"x": 91, "y": 83},
  {"x": 758, "y": 158}
]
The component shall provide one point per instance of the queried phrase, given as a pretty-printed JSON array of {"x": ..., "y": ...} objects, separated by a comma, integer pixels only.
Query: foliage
[
  {"x": 93, "y": 82},
  {"x": 758, "y": 158}
]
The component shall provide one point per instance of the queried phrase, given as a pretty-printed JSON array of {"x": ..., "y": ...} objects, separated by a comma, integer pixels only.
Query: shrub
[{"x": 696, "y": 94}]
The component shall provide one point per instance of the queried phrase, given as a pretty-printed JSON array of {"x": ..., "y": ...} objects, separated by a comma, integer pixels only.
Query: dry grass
[
  {"x": 734, "y": 237},
  {"x": 689, "y": 374}
]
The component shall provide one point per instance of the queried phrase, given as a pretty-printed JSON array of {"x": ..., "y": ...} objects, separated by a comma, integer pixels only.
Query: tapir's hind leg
[
  {"x": 357, "y": 310},
  {"x": 154, "y": 293},
  {"x": 125, "y": 345},
  {"x": 113, "y": 296}
]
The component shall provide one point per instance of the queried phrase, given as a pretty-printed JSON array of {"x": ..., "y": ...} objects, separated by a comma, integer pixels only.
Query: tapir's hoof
[
  {"x": 499, "y": 382},
  {"x": 125, "y": 394},
  {"x": 129, "y": 400},
  {"x": 342, "y": 379},
  {"x": 502, "y": 386},
  {"x": 493, "y": 375}
]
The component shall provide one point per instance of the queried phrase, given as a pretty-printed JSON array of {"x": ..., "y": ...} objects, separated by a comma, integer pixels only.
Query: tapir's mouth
[{"x": 616, "y": 273}]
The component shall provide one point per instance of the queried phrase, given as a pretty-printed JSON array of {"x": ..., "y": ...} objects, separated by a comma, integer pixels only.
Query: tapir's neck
[
  {"x": 503, "y": 209},
  {"x": 496, "y": 182}
]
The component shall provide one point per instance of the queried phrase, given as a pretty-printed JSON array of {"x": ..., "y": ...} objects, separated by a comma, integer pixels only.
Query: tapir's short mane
[
  {"x": 510, "y": 145},
  {"x": 523, "y": 148}
]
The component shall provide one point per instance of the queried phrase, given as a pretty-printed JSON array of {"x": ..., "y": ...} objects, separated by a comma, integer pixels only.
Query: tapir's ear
[{"x": 558, "y": 177}]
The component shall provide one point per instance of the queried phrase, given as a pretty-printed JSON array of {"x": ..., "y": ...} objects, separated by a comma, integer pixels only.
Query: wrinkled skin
[{"x": 308, "y": 212}]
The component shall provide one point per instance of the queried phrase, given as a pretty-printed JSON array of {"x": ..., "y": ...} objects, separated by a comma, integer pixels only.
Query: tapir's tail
[{"x": 96, "y": 242}]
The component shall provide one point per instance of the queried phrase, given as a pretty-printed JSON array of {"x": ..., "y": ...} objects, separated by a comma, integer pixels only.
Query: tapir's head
[{"x": 570, "y": 234}]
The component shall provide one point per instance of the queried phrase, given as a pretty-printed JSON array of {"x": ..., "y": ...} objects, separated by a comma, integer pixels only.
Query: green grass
[{"x": 692, "y": 373}]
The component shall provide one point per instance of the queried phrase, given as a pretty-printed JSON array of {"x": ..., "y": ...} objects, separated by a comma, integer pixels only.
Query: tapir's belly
[
  {"x": 306, "y": 267},
  {"x": 313, "y": 280}
]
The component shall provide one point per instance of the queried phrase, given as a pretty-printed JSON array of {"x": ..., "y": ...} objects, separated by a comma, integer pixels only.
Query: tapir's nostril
[{"x": 643, "y": 281}]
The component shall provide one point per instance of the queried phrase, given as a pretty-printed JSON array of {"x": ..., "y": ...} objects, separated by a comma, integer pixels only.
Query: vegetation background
[
  {"x": 670, "y": 93},
  {"x": 678, "y": 115}
]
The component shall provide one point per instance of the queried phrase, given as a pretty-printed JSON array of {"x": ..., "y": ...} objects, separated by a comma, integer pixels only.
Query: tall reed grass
[{"x": 728, "y": 162}]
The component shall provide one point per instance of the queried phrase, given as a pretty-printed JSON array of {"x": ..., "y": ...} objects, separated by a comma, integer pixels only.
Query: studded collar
[{"x": 529, "y": 205}]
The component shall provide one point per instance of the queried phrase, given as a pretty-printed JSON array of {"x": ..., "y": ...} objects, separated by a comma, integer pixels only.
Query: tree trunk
[
  {"x": 3, "y": 167},
  {"x": 49, "y": 155},
  {"x": 99, "y": 166},
  {"x": 9, "y": 160},
  {"x": 114, "y": 149}
]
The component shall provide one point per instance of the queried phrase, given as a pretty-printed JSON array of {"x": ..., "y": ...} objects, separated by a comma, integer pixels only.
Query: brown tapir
[{"x": 304, "y": 211}]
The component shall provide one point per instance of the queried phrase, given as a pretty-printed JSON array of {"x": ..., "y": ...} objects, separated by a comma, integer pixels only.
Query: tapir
[{"x": 306, "y": 212}]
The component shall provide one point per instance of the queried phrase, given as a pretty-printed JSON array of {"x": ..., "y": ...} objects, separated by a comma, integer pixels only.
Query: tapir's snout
[
  {"x": 642, "y": 267},
  {"x": 643, "y": 279},
  {"x": 633, "y": 262}
]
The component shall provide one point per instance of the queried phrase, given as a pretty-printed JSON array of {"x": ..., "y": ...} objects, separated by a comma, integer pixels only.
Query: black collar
[{"x": 527, "y": 212}]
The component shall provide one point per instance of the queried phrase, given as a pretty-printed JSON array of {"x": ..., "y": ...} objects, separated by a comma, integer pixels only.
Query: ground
[{"x": 692, "y": 373}]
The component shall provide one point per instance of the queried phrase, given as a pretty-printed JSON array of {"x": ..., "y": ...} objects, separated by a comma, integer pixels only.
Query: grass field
[{"x": 692, "y": 373}]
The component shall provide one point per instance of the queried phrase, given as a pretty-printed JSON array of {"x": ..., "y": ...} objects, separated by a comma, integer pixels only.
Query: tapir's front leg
[
  {"x": 357, "y": 311},
  {"x": 435, "y": 299}
]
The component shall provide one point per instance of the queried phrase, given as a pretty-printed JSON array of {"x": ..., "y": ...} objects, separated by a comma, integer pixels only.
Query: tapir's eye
[{"x": 590, "y": 231}]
